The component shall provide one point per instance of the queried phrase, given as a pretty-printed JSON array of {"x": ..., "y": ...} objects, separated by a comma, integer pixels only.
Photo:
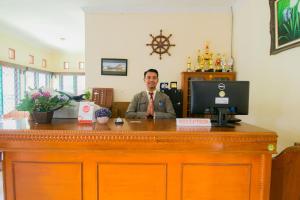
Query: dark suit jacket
[{"x": 163, "y": 107}]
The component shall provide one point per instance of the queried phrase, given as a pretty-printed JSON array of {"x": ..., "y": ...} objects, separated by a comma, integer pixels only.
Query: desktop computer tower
[{"x": 176, "y": 99}]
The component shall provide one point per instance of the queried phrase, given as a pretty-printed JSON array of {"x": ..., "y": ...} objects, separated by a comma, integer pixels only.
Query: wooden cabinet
[
  {"x": 149, "y": 160},
  {"x": 185, "y": 86}
]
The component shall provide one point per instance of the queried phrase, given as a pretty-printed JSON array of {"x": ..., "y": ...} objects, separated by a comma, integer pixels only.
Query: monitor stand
[
  {"x": 230, "y": 119},
  {"x": 222, "y": 120}
]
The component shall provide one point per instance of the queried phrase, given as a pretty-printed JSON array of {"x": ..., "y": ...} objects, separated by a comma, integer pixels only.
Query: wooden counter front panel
[
  {"x": 35, "y": 179},
  {"x": 145, "y": 181},
  {"x": 136, "y": 175},
  {"x": 213, "y": 180}
]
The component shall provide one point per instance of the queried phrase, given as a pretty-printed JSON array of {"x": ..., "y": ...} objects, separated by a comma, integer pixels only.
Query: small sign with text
[{"x": 193, "y": 122}]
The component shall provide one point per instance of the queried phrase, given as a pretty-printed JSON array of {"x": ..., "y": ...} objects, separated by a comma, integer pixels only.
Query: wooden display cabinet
[{"x": 185, "y": 86}]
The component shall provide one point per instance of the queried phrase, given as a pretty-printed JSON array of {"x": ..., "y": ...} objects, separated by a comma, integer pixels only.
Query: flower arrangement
[
  {"x": 43, "y": 100},
  {"x": 103, "y": 112},
  {"x": 102, "y": 115}
]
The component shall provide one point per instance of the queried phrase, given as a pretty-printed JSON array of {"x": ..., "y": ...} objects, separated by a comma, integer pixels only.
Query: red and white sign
[{"x": 86, "y": 112}]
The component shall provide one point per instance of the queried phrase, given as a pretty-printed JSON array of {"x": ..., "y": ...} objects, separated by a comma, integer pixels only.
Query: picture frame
[
  {"x": 114, "y": 66},
  {"x": 11, "y": 54},
  {"x": 284, "y": 25},
  {"x": 66, "y": 65},
  {"x": 44, "y": 63},
  {"x": 81, "y": 65},
  {"x": 164, "y": 86},
  {"x": 173, "y": 85},
  {"x": 31, "y": 59}
]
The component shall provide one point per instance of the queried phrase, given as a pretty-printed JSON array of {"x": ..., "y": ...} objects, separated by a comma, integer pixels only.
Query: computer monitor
[{"x": 219, "y": 98}]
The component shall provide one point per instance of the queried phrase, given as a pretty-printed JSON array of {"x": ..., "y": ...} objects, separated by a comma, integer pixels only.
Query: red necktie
[
  {"x": 151, "y": 96},
  {"x": 151, "y": 102}
]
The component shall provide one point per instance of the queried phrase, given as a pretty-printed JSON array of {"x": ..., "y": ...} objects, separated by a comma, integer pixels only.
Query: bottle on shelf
[
  {"x": 189, "y": 64},
  {"x": 230, "y": 63},
  {"x": 223, "y": 63}
]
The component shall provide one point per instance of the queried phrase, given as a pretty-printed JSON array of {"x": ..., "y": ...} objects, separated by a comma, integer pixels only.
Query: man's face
[{"x": 151, "y": 80}]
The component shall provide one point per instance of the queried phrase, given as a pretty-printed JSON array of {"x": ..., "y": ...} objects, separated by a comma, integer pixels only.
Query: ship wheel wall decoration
[{"x": 160, "y": 44}]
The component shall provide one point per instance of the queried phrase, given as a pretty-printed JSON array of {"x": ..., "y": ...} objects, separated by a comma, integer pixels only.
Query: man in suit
[{"x": 150, "y": 103}]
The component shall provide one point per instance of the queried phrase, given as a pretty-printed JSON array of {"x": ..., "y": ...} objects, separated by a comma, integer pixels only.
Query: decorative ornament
[{"x": 160, "y": 44}]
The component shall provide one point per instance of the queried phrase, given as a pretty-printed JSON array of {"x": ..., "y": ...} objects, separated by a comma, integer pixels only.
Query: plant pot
[
  {"x": 42, "y": 117},
  {"x": 102, "y": 120}
]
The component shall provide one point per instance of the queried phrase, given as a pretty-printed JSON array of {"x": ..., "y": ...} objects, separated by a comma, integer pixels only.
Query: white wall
[
  {"x": 28, "y": 46},
  {"x": 126, "y": 35},
  {"x": 274, "y": 80},
  {"x": 23, "y": 49},
  {"x": 73, "y": 58}
]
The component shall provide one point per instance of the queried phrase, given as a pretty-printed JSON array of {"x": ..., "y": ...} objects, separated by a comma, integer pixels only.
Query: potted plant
[
  {"x": 102, "y": 115},
  {"x": 41, "y": 103}
]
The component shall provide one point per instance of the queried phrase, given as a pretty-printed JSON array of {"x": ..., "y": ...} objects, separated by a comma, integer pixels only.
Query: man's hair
[{"x": 151, "y": 70}]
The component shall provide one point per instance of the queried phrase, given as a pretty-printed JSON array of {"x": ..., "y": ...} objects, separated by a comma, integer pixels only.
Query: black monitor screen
[{"x": 211, "y": 97}]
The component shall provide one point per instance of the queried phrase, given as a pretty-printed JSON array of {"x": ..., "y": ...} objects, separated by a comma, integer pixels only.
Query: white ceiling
[{"x": 48, "y": 21}]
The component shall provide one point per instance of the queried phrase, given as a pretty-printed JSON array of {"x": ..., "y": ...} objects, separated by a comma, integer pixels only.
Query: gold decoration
[{"x": 189, "y": 64}]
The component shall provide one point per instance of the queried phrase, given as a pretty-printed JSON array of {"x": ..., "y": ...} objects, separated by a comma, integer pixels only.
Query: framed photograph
[
  {"x": 284, "y": 25},
  {"x": 173, "y": 85},
  {"x": 164, "y": 86},
  {"x": 114, "y": 66}
]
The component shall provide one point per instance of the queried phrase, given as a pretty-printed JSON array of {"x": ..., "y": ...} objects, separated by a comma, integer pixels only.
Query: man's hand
[{"x": 150, "y": 109}]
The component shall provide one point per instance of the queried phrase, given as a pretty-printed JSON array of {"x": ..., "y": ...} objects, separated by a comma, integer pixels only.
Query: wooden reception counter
[{"x": 140, "y": 160}]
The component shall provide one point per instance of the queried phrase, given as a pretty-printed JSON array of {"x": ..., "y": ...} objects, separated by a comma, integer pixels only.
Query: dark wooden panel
[
  {"x": 119, "y": 109},
  {"x": 103, "y": 96}
]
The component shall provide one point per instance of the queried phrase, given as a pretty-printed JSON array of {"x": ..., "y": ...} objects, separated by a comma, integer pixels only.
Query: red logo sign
[{"x": 86, "y": 108}]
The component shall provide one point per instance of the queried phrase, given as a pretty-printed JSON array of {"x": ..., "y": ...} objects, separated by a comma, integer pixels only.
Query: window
[
  {"x": 80, "y": 84},
  {"x": 74, "y": 84},
  {"x": 15, "y": 81},
  {"x": 22, "y": 84},
  {"x": 55, "y": 82},
  {"x": 29, "y": 82},
  {"x": 42, "y": 80},
  {"x": 68, "y": 83},
  {"x": 9, "y": 90}
]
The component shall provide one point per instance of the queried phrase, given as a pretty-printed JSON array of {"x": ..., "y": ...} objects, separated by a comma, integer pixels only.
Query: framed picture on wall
[
  {"x": 164, "y": 86},
  {"x": 114, "y": 66},
  {"x": 284, "y": 25}
]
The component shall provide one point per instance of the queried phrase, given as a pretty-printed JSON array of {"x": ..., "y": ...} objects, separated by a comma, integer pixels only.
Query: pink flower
[
  {"x": 46, "y": 94},
  {"x": 36, "y": 95}
]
